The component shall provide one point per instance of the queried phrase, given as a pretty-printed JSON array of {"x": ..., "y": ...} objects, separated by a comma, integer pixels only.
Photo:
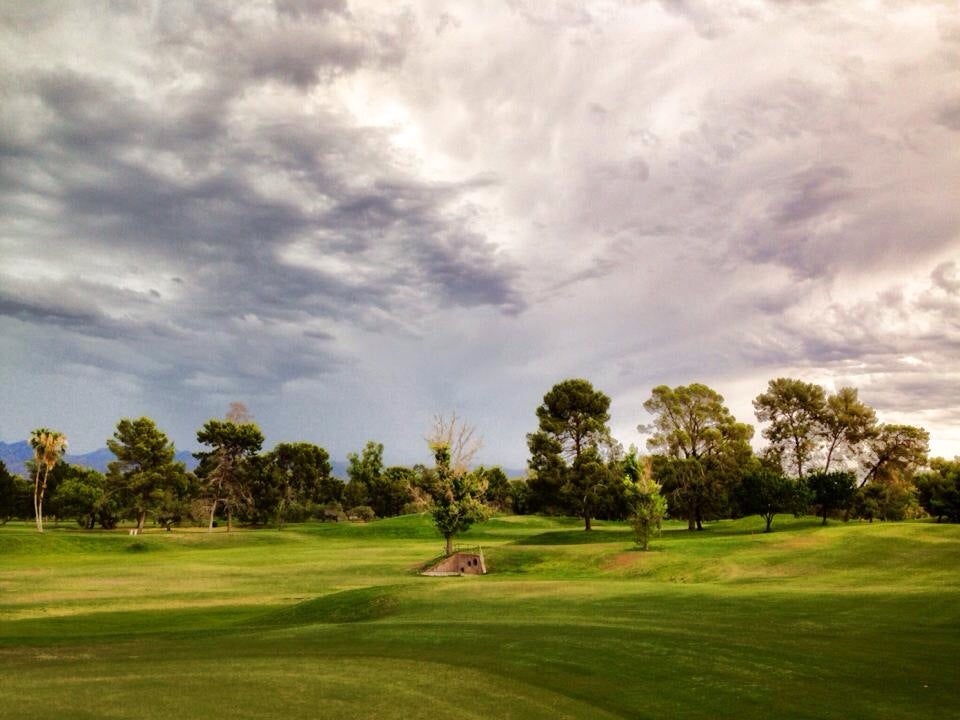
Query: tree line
[
  {"x": 235, "y": 480},
  {"x": 824, "y": 453}
]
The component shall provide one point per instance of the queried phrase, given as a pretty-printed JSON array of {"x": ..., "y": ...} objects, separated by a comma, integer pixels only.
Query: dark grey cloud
[
  {"x": 300, "y": 9},
  {"x": 949, "y": 115},
  {"x": 316, "y": 204},
  {"x": 811, "y": 193},
  {"x": 921, "y": 393},
  {"x": 223, "y": 240}
]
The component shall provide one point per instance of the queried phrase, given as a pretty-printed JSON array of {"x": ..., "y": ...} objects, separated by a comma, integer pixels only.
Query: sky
[{"x": 352, "y": 216}]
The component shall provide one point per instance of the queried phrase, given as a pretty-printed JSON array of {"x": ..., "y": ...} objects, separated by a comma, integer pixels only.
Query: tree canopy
[
  {"x": 793, "y": 410},
  {"x": 457, "y": 493},
  {"x": 767, "y": 492},
  {"x": 567, "y": 451},
  {"x": 647, "y": 505},
  {"x": 145, "y": 472},
  {"x": 844, "y": 424},
  {"x": 939, "y": 489},
  {"x": 48, "y": 447},
  {"x": 895, "y": 449},
  {"x": 702, "y": 449},
  {"x": 831, "y": 491},
  {"x": 691, "y": 421},
  {"x": 298, "y": 472},
  {"x": 223, "y": 467}
]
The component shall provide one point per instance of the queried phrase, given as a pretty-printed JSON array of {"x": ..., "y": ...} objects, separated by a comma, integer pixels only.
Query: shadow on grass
[
  {"x": 741, "y": 527},
  {"x": 347, "y": 606},
  {"x": 577, "y": 537}
]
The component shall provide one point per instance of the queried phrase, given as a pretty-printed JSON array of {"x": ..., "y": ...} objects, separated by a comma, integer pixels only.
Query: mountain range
[{"x": 15, "y": 456}]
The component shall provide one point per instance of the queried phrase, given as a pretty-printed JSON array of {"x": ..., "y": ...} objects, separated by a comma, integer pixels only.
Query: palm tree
[{"x": 48, "y": 447}]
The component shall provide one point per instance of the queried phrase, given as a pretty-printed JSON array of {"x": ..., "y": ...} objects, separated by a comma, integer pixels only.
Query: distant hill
[{"x": 15, "y": 456}]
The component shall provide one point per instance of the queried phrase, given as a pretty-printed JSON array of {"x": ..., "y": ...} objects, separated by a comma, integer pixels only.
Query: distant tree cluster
[
  {"x": 825, "y": 453},
  {"x": 236, "y": 481}
]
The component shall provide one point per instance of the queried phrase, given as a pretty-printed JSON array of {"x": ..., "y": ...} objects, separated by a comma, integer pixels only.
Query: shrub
[
  {"x": 330, "y": 512},
  {"x": 361, "y": 512}
]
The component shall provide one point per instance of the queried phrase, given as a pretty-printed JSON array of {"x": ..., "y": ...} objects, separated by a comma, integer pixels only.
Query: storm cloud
[{"x": 352, "y": 215}]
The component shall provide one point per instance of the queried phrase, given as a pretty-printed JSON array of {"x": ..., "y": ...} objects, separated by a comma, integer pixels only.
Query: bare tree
[
  {"x": 458, "y": 437},
  {"x": 457, "y": 493},
  {"x": 238, "y": 413}
]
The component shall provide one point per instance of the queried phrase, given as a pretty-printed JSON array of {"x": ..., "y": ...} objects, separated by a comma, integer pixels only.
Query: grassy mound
[{"x": 348, "y": 606}]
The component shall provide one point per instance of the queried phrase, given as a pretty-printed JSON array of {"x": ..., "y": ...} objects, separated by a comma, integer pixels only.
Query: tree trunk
[
  {"x": 586, "y": 522},
  {"x": 833, "y": 446},
  {"x": 141, "y": 519},
  {"x": 769, "y": 519},
  {"x": 229, "y": 518},
  {"x": 36, "y": 500},
  {"x": 824, "y": 517},
  {"x": 43, "y": 487},
  {"x": 449, "y": 539},
  {"x": 691, "y": 522},
  {"x": 213, "y": 512}
]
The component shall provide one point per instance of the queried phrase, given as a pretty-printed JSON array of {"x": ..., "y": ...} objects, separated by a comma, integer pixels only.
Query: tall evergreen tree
[
  {"x": 145, "y": 471},
  {"x": 298, "y": 473},
  {"x": 223, "y": 468},
  {"x": 567, "y": 450}
]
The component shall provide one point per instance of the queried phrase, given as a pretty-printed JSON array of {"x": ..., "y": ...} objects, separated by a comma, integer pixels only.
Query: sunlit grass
[{"x": 328, "y": 620}]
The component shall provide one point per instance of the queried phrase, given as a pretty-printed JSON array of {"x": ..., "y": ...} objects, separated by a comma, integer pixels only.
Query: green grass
[{"x": 846, "y": 621}]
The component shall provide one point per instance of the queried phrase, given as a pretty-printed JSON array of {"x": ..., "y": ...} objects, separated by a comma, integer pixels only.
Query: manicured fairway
[{"x": 846, "y": 621}]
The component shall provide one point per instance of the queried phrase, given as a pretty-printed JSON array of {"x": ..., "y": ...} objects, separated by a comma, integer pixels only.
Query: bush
[
  {"x": 331, "y": 511},
  {"x": 519, "y": 496},
  {"x": 939, "y": 489},
  {"x": 831, "y": 492},
  {"x": 198, "y": 510},
  {"x": 295, "y": 512},
  {"x": 890, "y": 499},
  {"x": 361, "y": 512}
]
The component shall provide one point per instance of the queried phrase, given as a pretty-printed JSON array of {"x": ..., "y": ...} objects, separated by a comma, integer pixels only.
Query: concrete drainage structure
[{"x": 462, "y": 562}]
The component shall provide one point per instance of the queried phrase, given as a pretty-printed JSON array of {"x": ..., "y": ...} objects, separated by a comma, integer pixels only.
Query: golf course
[{"x": 331, "y": 620}]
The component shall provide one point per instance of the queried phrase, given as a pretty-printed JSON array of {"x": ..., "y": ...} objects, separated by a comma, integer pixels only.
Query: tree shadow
[
  {"x": 744, "y": 526},
  {"x": 576, "y": 537}
]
